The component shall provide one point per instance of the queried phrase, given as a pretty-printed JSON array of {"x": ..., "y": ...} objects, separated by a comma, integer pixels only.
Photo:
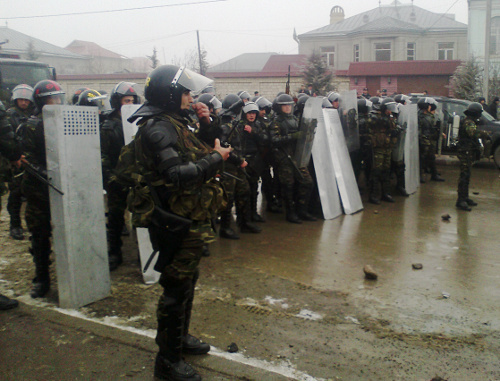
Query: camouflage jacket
[
  {"x": 17, "y": 116},
  {"x": 112, "y": 142},
  {"x": 9, "y": 146},
  {"x": 137, "y": 167},
  {"x": 246, "y": 143},
  {"x": 283, "y": 135},
  {"x": 468, "y": 135},
  {"x": 427, "y": 128},
  {"x": 382, "y": 130}
]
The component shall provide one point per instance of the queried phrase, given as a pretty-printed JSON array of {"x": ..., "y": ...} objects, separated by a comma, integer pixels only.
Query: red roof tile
[{"x": 403, "y": 68}]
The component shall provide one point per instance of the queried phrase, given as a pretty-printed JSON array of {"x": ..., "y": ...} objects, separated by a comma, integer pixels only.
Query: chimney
[{"x": 336, "y": 14}]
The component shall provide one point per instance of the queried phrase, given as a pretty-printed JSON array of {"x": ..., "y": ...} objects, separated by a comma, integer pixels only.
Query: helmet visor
[
  {"x": 392, "y": 107},
  {"x": 22, "y": 92},
  {"x": 190, "y": 80},
  {"x": 217, "y": 104}
]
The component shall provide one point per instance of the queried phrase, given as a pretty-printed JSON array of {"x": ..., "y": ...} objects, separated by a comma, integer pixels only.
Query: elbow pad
[{"x": 186, "y": 175}]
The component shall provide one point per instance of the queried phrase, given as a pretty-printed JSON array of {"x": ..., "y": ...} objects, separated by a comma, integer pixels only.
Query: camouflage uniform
[
  {"x": 428, "y": 136},
  {"x": 16, "y": 117},
  {"x": 284, "y": 134},
  {"x": 270, "y": 185},
  {"x": 112, "y": 141},
  {"x": 382, "y": 129},
  {"x": 198, "y": 200},
  {"x": 468, "y": 152},
  {"x": 37, "y": 212},
  {"x": 365, "y": 145}
]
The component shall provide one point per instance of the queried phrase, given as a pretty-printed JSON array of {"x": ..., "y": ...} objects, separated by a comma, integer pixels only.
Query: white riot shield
[
  {"x": 346, "y": 181},
  {"x": 308, "y": 124},
  {"x": 348, "y": 106},
  {"x": 398, "y": 152},
  {"x": 150, "y": 276},
  {"x": 79, "y": 235},
  {"x": 411, "y": 154},
  {"x": 323, "y": 164}
]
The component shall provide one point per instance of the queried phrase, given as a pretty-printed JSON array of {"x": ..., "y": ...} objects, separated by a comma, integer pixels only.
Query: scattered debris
[
  {"x": 417, "y": 266},
  {"x": 445, "y": 295},
  {"x": 437, "y": 378},
  {"x": 369, "y": 272},
  {"x": 475, "y": 192},
  {"x": 308, "y": 315},
  {"x": 446, "y": 217},
  {"x": 352, "y": 319},
  {"x": 232, "y": 348},
  {"x": 375, "y": 212}
]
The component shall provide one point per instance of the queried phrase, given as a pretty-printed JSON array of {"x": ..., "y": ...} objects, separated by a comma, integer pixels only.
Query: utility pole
[
  {"x": 487, "y": 34},
  {"x": 199, "y": 52}
]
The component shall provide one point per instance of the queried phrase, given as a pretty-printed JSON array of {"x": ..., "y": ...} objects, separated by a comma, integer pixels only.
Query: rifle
[
  {"x": 35, "y": 172},
  {"x": 287, "y": 87}
]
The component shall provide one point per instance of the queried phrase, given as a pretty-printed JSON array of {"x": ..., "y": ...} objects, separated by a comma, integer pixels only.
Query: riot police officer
[
  {"x": 284, "y": 135},
  {"x": 469, "y": 151},
  {"x": 364, "y": 108},
  {"x": 112, "y": 141},
  {"x": 22, "y": 108},
  {"x": 178, "y": 171},
  {"x": 45, "y": 92},
  {"x": 398, "y": 161},
  {"x": 428, "y": 132}
]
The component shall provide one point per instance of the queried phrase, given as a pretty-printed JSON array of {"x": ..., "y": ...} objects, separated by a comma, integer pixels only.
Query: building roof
[
  {"x": 250, "y": 62},
  {"x": 19, "y": 42},
  {"x": 398, "y": 15},
  {"x": 87, "y": 48},
  {"x": 402, "y": 68},
  {"x": 275, "y": 65}
]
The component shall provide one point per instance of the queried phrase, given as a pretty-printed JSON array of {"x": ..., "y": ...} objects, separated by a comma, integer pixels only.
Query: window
[
  {"x": 328, "y": 53},
  {"x": 356, "y": 53},
  {"x": 495, "y": 36},
  {"x": 383, "y": 51},
  {"x": 445, "y": 50},
  {"x": 410, "y": 51}
]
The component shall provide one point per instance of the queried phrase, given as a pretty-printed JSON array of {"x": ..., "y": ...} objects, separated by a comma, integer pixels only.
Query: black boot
[
  {"x": 291, "y": 215},
  {"x": 7, "y": 303},
  {"x": 273, "y": 206},
  {"x": 17, "y": 233},
  {"x": 115, "y": 258},
  {"x": 174, "y": 371},
  {"x": 225, "y": 230},
  {"x": 387, "y": 198},
  {"x": 245, "y": 224},
  {"x": 193, "y": 346},
  {"x": 471, "y": 202},
  {"x": 41, "y": 253},
  {"x": 436, "y": 177},
  {"x": 463, "y": 206},
  {"x": 402, "y": 191},
  {"x": 374, "y": 200},
  {"x": 304, "y": 215}
]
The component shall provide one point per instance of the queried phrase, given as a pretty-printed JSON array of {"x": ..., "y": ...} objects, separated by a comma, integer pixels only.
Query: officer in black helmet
[
  {"x": 469, "y": 151},
  {"x": 76, "y": 94},
  {"x": 112, "y": 141},
  {"x": 364, "y": 108},
  {"x": 398, "y": 162},
  {"x": 177, "y": 175},
  {"x": 244, "y": 95},
  {"x": 428, "y": 133},
  {"x": 37, "y": 212},
  {"x": 284, "y": 135}
]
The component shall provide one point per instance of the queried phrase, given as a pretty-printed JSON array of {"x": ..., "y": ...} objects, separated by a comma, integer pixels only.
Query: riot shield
[
  {"x": 307, "y": 125},
  {"x": 324, "y": 164},
  {"x": 149, "y": 276},
  {"x": 409, "y": 117},
  {"x": 348, "y": 112},
  {"x": 399, "y": 149},
  {"x": 79, "y": 235},
  {"x": 346, "y": 180}
]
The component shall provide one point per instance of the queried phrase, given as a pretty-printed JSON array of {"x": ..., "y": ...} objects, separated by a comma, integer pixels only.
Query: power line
[{"x": 111, "y": 11}]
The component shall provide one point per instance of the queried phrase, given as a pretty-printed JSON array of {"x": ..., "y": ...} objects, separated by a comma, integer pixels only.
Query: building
[
  {"x": 375, "y": 39},
  {"x": 266, "y": 73},
  {"x": 477, "y": 30}
]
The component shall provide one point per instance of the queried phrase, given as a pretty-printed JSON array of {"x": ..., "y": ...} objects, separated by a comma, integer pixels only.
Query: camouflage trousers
[
  {"x": 294, "y": 187},
  {"x": 380, "y": 176},
  {"x": 427, "y": 150},
  {"x": 237, "y": 191},
  {"x": 117, "y": 204},
  {"x": 14, "y": 202},
  {"x": 178, "y": 280},
  {"x": 466, "y": 159}
]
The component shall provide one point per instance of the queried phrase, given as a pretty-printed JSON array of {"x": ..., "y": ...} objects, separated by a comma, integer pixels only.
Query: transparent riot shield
[
  {"x": 346, "y": 180},
  {"x": 79, "y": 230},
  {"x": 323, "y": 164},
  {"x": 408, "y": 113},
  {"x": 348, "y": 112},
  {"x": 149, "y": 276},
  {"x": 308, "y": 124},
  {"x": 398, "y": 152}
]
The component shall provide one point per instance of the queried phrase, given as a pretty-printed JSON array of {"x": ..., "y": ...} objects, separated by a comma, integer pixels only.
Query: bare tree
[
  {"x": 191, "y": 60},
  {"x": 467, "y": 81},
  {"x": 154, "y": 59}
]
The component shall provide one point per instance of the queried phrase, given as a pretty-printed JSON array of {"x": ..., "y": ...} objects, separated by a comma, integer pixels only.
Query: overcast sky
[{"x": 227, "y": 27}]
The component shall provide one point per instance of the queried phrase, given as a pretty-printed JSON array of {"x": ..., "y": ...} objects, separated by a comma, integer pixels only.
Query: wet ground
[{"x": 296, "y": 296}]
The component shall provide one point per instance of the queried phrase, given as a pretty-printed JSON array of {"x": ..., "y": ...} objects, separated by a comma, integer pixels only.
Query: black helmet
[
  {"x": 91, "y": 98},
  {"x": 231, "y": 105},
  {"x": 121, "y": 90},
  {"x": 284, "y": 99},
  {"x": 210, "y": 89},
  {"x": 401, "y": 98},
  {"x": 166, "y": 84},
  {"x": 244, "y": 95},
  {"x": 364, "y": 106},
  {"x": 77, "y": 93},
  {"x": 389, "y": 104},
  {"x": 474, "y": 110},
  {"x": 375, "y": 103},
  {"x": 45, "y": 89},
  {"x": 264, "y": 104},
  {"x": 300, "y": 95},
  {"x": 210, "y": 100},
  {"x": 22, "y": 92},
  {"x": 425, "y": 102},
  {"x": 301, "y": 103},
  {"x": 333, "y": 96}
]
